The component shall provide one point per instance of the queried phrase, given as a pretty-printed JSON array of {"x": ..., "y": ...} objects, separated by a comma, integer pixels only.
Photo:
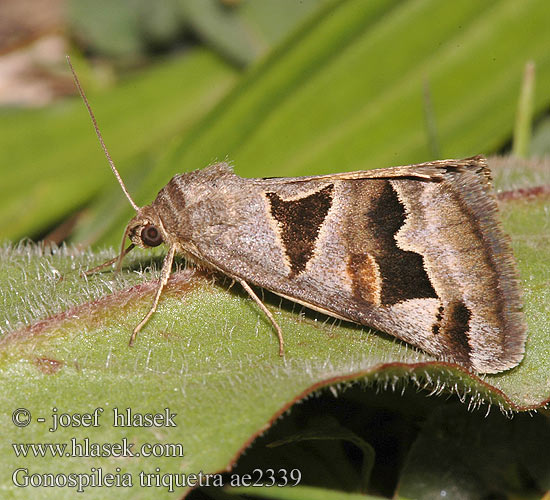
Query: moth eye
[{"x": 150, "y": 235}]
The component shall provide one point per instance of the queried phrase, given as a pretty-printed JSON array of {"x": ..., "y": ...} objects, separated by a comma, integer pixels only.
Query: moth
[{"x": 415, "y": 251}]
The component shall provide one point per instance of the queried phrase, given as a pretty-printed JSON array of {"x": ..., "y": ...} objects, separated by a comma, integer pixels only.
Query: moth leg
[
  {"x": 164, "y": 275},
  {"x": 109, "y": 262},
  {"x": 266, "y": 311}
]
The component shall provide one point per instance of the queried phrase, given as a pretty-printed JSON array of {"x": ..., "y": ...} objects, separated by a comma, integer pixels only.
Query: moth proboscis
[{"x": 416, "y": 251}]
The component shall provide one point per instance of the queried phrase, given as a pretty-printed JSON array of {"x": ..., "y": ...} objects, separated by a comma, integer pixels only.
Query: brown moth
[{"x": 416, "y": 251}]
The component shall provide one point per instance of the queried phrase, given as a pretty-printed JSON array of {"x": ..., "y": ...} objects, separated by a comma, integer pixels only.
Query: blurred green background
[
  {"x": 283, "y": 88},
  {"x": 276, "y": 87}
]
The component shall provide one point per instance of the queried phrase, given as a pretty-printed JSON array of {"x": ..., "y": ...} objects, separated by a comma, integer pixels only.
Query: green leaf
[{"x": 211, "y": 356}]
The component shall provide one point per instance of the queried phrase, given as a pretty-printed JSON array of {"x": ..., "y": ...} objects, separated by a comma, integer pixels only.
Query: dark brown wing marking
[
  {"x": 300, "y": 222},
  {"x": 403, "y": 273},
  {"x": 456, "y": 327}
]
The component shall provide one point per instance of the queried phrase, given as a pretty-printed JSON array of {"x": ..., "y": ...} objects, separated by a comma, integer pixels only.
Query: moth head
[{"x": 145, "y": 231}]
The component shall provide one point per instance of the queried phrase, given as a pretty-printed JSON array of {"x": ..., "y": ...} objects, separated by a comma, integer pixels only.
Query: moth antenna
[{"x": 100, "y": 137}]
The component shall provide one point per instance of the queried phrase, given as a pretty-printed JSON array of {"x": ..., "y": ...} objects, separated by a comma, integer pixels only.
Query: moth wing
[
  {"x": 420, "y": 257},
  {"x": 433, "y": 170}
]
